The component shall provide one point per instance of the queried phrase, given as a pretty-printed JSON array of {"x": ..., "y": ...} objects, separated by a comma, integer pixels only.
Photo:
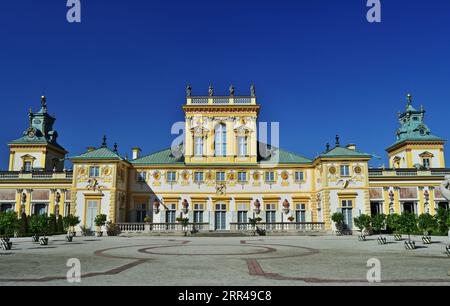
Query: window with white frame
[
  {"x": 198, "y": 212},
  {"x": 220, "y": 140},
  {"x": 27, "y": 166},
  {"x": 94, "y": 172},
  {"x": 220, "y": 176},
  {"x": 269, "y": 176},
  {"x": 198, "y": 143},
  {"x": 426, "y": 163},
  {"x": 198, "y": 177},
  {"x": 299, "y": 176},
  {"x": 345, "y": 170},
  {"x": 171, "y": 176},
  {"x": 242, "y": 146},
  {"x": 300, "y": 212},
  {"x": 242, "y": 176}
]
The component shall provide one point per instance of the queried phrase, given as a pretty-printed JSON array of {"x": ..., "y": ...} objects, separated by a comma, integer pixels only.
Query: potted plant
[
  {"x": 378, "y": 224},
  {"x": 254, "y": 222},
  {"x": 427, "y": 224},
  {"x": 44, "y": 228},
  {"x": 8, "y": 225},
  {"x": 443, "y": 219},
  {"x": 70, "y": 222},
  {"x": 362, "y": 223},
  {"x": 34, "y": 227},
  {"x": 111, "y": 229},
  {"x": 184, "y": 224},
  {"x": 338, "y": 219},
  {"x": 100, "y": 221},
  {"x": 408, "y": 223},
  {"x": 85, "y": 231},
  {"x": 393, "y": 222}
]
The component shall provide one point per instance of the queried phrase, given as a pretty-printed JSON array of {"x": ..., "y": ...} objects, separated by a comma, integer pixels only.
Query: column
[
  {"x": 397, "y": 200},
  {"x": 386, "y": 200},
  {"x": 432, "y": 202},
  {"x": 51, "y": 208},
  {"x": 62, "y": 202},
  {"x": 18, "y": 201},
  {"x": 421, "y": 206},
  {"x": 28, "y": 202}
]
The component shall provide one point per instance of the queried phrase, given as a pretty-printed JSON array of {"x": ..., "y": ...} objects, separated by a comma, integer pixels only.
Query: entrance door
[
  {"x": 270, "y": 216},
  {"x": 171, "y": 216},
  {"x": 375, "y": 208},
  {"x": 347, "y": 211},
  {"x": 6, "y": 207},
  {"x": 221, "y": 217},
  {"x": 40, "y": 209},
  {"x": 91, "y": 213},
  {"x": 141, "y": 213},
  {"x": 443, "y": 205},
  {"x": 409, "y": 207},
  {"x": 242, "y": 218}
]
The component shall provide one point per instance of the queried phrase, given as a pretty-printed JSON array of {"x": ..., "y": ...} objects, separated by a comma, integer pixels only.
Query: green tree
[
  {"x": 69, "y": 222},
  {"x": 59, "y": 224},
  {"x": 443, "y": 219},
  {"x": 393, "y": 222},
  {"x": 408, "y": 223},
  {"x": 39, "y": 225},
  {"x": 9, "y": 223},
  {"x": 427, "y": 224},
  {"x": 52, "y": 224},
  {"x": 379, "y": 222},
  {"x": 362, "y": 222},
  {"x": 338, "y": 219}
]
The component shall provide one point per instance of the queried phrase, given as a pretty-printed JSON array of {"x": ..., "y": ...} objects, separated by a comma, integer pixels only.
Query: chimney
[
  {"x": 136, "y": 153},
  {"x": 90, "y": 149},
  {"x": 351, "y": 147}
]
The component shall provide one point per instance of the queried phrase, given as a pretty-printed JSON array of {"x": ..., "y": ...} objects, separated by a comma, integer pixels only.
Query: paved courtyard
[{"x": 229, "y": 261}]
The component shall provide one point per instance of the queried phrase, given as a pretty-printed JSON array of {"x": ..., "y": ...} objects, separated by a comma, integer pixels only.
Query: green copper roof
[
  {"x": 159, "y": 158},
  {"x": 36, "y": 140},
  {"x": 344, "y": 152},
  {"x": 165, "y": 157},
  {"x": 412, "y": 125},
  {"x": 101, "y": 153}
]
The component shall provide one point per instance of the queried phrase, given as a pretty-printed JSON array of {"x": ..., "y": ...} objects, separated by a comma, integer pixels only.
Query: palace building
[{"x": 222, "y": 175}]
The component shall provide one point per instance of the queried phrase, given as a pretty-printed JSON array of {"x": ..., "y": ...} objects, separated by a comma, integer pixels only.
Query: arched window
[{"x": 220, "y": 140}]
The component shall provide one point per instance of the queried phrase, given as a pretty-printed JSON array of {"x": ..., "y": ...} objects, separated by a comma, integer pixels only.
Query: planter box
[
  {"x": 447, "y": 250},
  {"x": 426, "y": 239},
  {"x": 381, "y": 240},
  {"x": 410, "y": 245},
  {"x": 98, "y": 234},
  {"x": 69, "y": 238},
  {"x": 43, "y": 241},
  {"x": 35, "y": 238},
  {"x": 362, "y": 238},
  {"x": 5, "y": 245},
  {"x": 397, "y": 237}
]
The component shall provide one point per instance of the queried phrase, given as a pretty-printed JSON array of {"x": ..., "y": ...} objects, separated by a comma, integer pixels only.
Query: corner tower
[
  {"x": 221, "y": 129},
  {"x": 37, "y": 149},
  {"x": 415, "y": 147}
]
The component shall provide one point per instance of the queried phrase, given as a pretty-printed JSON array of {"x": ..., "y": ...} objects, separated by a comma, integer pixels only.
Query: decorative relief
[
  {"x": 156, "y": 175},
  {"x": 107, "y": 171},
  {"x": 332, "y": 170}
]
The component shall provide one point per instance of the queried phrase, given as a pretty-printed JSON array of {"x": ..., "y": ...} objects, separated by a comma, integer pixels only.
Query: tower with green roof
[
  {"x": 415, "y": 146},
  {"x": 38, "y": 148}
]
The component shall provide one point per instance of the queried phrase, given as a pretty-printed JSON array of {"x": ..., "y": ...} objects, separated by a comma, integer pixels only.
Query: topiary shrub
[
  {"x": 60, "y": 225},
  {"x": 338, "y": 219}
]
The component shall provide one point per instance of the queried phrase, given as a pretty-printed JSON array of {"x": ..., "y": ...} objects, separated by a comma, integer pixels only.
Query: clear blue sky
[{"x": 320, "y": 68}]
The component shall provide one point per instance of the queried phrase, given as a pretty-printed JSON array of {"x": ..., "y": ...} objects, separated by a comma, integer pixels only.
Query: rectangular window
[
  {"x": 198, "y": 152},
  {"x": 347, "y": 211},
  {"x": 242, "y": 146},
  {"x": 198, "y": 177},
  {"x": 94, "y": 172},
  {"x": 299, "y": 176},
  {"x": 222, "y": 207},
  {"x": 300, "y": 212},
  {"x": 171, "y": 176},
  {"x": 242, "y": 177},
  {"x": 345, "y": 170},
  {"x": 220, "y": 176},
  {"x": 426, "y": 163},
  {"x": 270, "y": 176},
  {"x": 141, "y": 176},
  {"x": 27, "y": 166}
]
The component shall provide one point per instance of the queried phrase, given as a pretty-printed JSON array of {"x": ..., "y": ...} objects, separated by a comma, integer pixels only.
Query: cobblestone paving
[{"x": 247, "y": 261}]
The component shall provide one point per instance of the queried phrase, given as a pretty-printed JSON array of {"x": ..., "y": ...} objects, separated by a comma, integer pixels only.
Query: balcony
[
  {"x": 37, "y": 175},
  {"x": 379, "y": 173},
  {"x": 231, "y": 100},
  {"x": 160, "y": 227}
]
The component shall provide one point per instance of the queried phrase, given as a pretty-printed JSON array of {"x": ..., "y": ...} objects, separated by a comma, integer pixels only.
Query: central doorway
[{"x": 220, "y": 223}]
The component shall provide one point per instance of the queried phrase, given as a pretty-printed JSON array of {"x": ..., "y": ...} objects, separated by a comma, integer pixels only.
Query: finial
[
  {"x": 328, "y": 147},
  {"x": 337, "y": 141},
  {"x": 104, "y": 145},
  {"x": 231, "y": 90},
  {"x": 115, "y": 147},
  {"x": 253, "y": 90},
  {"x": 409, "y": 97},
  {"x": 211, "y": 90},
  {"x": 189, "y": 90}
]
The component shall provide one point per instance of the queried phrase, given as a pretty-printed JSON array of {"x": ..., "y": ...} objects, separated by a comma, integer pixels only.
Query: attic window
[{"x": 415, "y": 118}]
